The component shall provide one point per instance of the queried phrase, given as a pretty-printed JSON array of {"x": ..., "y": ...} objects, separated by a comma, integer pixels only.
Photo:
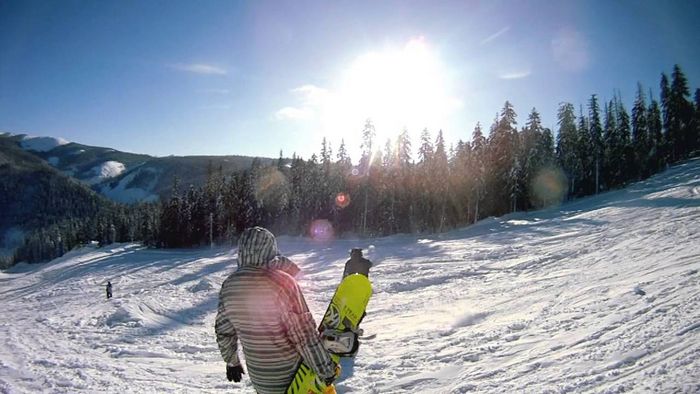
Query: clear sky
[{"x": 251, "y": 78}]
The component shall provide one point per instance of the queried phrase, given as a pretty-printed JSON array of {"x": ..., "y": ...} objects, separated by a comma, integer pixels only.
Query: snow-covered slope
[
  {"x": 123, "y": 191},
  {"x": 108, "y": 169},
  {"x": 599, "y": 295},
  {"x": 41, "y": 144}
]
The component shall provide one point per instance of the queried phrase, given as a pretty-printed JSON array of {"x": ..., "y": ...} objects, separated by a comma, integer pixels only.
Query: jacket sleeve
[
  {"x": 302, "y": 332},
  {"x": 226, "y": 337}
]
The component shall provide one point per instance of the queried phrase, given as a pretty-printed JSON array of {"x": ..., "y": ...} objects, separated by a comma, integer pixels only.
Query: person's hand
[
  {"x": 234, "y": 372},
  {"x": 335, "y": 376}
]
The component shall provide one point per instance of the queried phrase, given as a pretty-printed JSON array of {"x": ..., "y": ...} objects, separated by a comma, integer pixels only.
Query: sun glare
[{"x": 396, "y": 88}]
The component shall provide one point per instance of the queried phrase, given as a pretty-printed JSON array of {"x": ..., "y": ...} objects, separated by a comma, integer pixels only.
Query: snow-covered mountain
[
  {"x": 598, "y": 295},
  {"x": 34, "y": 195},
  {"x": 122, "y": 176},
  {"x": 41, "y": 144}
]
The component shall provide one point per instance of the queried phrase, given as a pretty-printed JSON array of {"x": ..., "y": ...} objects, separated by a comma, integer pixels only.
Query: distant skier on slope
[
  {"x": 109, "y": 289},
  {"x": 261, "y": 305}
]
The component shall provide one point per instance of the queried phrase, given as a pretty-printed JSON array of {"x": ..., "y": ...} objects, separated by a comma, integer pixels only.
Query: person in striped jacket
[{"x": 261, "y": 305}]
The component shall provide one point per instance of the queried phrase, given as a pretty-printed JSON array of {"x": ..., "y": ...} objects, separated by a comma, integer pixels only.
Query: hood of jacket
[{"x": 257, "y": 247}]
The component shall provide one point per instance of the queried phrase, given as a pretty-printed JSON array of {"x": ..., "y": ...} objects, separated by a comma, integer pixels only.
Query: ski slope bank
[{"x": 598, "y": 295}]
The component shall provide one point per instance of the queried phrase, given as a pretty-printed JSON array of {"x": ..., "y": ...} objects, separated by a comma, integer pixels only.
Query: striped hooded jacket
[{"x": 261, "y": 305}]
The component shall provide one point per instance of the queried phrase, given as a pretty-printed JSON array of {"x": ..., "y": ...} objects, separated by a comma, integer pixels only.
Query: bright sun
[{"x": 396, "y": 88}]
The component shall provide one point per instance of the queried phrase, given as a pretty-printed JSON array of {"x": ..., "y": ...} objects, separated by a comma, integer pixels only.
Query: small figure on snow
[
  {"x": 109, "y": 289},
  {"x": 261, "y": 305}
]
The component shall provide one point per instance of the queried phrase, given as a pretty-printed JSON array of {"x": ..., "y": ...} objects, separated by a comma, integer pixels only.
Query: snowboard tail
[{"x": 344, "y": 313}]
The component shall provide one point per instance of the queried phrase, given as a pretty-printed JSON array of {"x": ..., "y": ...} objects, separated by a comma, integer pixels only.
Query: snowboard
[{"x": 344, "y": 313}]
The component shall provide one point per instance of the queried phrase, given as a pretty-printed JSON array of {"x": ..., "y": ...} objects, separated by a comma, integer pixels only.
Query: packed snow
[
  {"x": 41, "y": 144},
  {"x": 598, "y": 295}
]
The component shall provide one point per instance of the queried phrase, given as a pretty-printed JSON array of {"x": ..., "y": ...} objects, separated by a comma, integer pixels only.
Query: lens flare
[
  {"x": 342, "y": 200},
  {"x": 271, "y": 188},
  {"x": 548, "y": 187},
  {"x": 321, "y": 230}
]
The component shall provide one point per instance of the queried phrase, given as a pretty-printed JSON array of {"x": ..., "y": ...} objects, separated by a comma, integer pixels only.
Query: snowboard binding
[{"x": 344, "y": 343}]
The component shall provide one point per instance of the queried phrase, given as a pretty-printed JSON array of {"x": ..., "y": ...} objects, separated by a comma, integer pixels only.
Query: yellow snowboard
[{"x": 344, "y": 312}]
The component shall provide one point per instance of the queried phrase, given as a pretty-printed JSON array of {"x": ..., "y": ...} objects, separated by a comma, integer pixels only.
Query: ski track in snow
[{"x": 599, "y": 295}]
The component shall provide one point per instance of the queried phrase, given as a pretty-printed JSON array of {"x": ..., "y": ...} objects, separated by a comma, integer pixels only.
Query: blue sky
[{"x": 251, "y": 78}]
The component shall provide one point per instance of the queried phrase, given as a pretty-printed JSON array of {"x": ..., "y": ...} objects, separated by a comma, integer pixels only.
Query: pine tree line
[
  {"x": 111, "y": 223},
  {"x": 608, "y": 149},
  {"x": 389, "y": 191}
]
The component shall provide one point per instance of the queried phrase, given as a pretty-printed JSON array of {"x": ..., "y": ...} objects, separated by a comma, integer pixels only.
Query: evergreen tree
[
  {"x": 426, "y": 149},
  {"x": 567, "y": 145},
  {"x": 656, "y": 152},
  {"x": 295, "y": 207},
  {"x": 537, "y": 154},
  {"x": 596, "y": 133},
  {"x": 669, "y": 136},
  {"x": 503, "y": 162},
  {"x": 424, "y": 203},
  {"x": 368, "y": 134},
  {"x": 586, "y": 155},
  {"x": 342, "y": 156},
  {"x": 388, "y": 205},
  {"x": 459, "y": 198},
  {"x": 326, "y": 154},
  {"x": 529, "y": 158},
  {"x": 477, "y": 169},
  {"x": 338, "y": 190},
  {"x": 612, "y": 145},
  {"x": 439, "y": 178},
  {"x": 280, "y": 161},
  {"x": 406, "y": 188},
  {"x": 623, "y": 146},
  {"x": 640, "y": 136},
  {"x": 695, "y": 127},
  {"x": 680, "y": 115},
  {"x": 403, "y": 149}
]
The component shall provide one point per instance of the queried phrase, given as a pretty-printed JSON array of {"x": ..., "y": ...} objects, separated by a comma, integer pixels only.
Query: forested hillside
[
  {"x": 131, "y": 178},
  {"x": 45, "y": 213}
]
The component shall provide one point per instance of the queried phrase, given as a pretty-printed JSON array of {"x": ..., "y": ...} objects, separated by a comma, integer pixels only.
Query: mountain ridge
[{"x": 128, "y": 177}]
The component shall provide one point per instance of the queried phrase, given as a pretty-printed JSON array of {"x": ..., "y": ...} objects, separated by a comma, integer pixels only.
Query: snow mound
[
  {"x": 470, "y": 319},
  {"x": 203, "y": 285},
  {"x": 41, "y": 144},
  {"x": 123, "y": 317}
]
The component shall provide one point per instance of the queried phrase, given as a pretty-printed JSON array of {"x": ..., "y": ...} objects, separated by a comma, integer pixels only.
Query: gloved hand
[
  {"x": 234, "y": 372},
  {"x": 335, "y": 376}
]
